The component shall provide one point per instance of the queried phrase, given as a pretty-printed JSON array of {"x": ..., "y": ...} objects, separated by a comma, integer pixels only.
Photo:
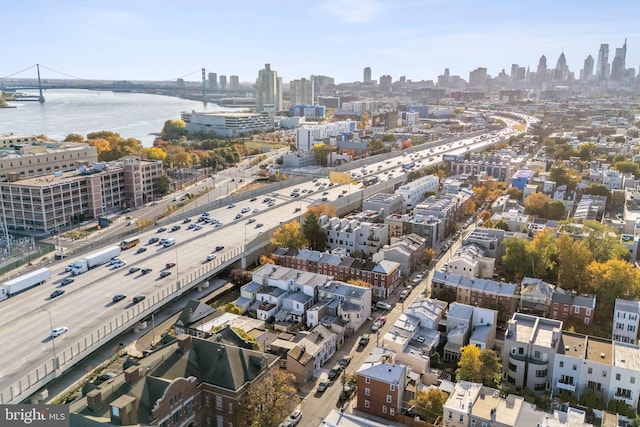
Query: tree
[
  {"x": 514, "y": 193},
  {"x": 597, "y": 190},
  {"x": 269, "y": 399},
  {"x": 469, "y": 208},
  {"x": 322, "y": 209},
  {"x": 231, "y": 308},
  {"x": 155, "y": 153},
  {"x": 516, "y": 258},
  {"x": 429, "y": 254},
  {"x": 502, "y": 225},
  {"x": 239, "y": 277},
  {"x": 479, "y": 366},
  {"x": 290, "y": 236},
  {"x": 320, "y": 154},
  {"x": 626, "y": 166},
  {"x": 536, "y": 203},
  {"x": 74, "y": 137},
  {"x": 542, "y": 254},
  {"x": 314, "y": 233},
  {"x": 573, "y": 259},
  {"x": 613, "y": 279},
  {"x": 556, "y": 210},
  {"x": 376, "y": 144},
  {"x": 265, "y": 259},
  {"x": 173, "y": 130},
  {"x": 428, "y": 405},
  {"x": 161, "y": 185},
  {"x": 103, "y": 147},
  {"x": 359, "y": 282}
]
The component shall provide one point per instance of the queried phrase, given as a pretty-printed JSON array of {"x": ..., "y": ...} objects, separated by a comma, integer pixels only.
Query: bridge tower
[
  {"x": 204, "y": 86},
  {"x": 41, "y": 98}
]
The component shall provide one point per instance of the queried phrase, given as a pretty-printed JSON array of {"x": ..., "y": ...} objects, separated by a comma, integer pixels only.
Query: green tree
[
  {"x": 502, "y": 225},
  {"x": 536, "y": 203},
  {"x": 490, "y": 368},
  {"x": 314, "y": 233},
  {"x": 479, "y": 366},
  {"x": 516, "y": 259},
  {"x": 231, "y": 308},
  {"x": 290, "y": 236},
  {"x": 173, "y": 130},
  {"x": 556, "y": 210},
  {"x": 429, "y": 254},
  {"x": 320, "y": 154},
  {"x": 270, "y": 399},
  {"x": 74, "y": 137},
  {"x": 597, "y": 190},
  {"x": 573, "y": 259},
  {"x": 389, "y": 137},
  {"x": 161, "y": 185},
  {"x": 626, "y": 166},
  {"x": 542, "y": 253},
  {"x": 240, "y": 277}
]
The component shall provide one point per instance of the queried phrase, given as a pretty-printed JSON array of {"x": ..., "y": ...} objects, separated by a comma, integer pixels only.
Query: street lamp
[{"x": 53, "y": 342}]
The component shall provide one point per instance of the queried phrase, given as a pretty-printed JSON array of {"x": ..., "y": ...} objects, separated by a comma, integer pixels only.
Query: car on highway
[
  {"x": 219, "y": 248},
  {"x": 198, "y": 228},
  {"x": 140, "y": 250},
  {"x": 297, "y": 209},
  {"x": 119, "y": 264},
  {"x": 255, "y": 211},
  {"x": 323, "y": 385},
  {"x": 191, "y": 227},
  {"x": 251, "y": 220},
  {"x": 231, "y": 206},
  {"x": 114, "y": 260},
  {"x": 119, "y": 297},
  {"x": 165, "y": 273},
  {"x": 66, "y": 281},
  {"x": 211, "y": 257},
  {"x": 69, "y": 267},
  {"x": 258, "y": 225},
  {"x": 186, "y": 220},
  {"x": 56, "y": 293},
  {"x": 138, "y": 298},
  {"x": 324, "y": 199},
  {"x": 175, "y": 228},
  {"x": 161, "y": 229},
  {"x": 134, "y": 269},
  {"x": 238, "y": 216},
  {"x": 244, "y": 210},
  {"x": 169, "y": 265},
  {"x": 56, "y": 332},
  {"x": 153, "y": 240},
  {"x": 146, "y": 271},
  {"x": 253, "y": 199}
]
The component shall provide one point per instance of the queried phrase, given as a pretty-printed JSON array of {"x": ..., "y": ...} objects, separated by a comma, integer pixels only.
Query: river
[{"x": 132, "y": 115}]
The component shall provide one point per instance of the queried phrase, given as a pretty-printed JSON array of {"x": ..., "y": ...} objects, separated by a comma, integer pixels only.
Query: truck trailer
[
  {"x": 95, "y": 259},
  {"x": 24, "y": 282}
]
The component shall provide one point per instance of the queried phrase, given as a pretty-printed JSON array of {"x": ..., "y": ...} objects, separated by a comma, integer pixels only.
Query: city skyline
[{"x": 146, "y": 40}]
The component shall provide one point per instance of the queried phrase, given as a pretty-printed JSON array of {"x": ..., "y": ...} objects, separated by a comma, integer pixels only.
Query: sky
[{"x": 162, "y": 40}]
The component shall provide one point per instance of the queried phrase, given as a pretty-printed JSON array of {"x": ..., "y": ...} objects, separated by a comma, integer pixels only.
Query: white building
[
  {"x": 341, "y": 307},
  {"x": 268, "y": 90},
  {"x": 354, "y": 235},
  {"x": 227, "y": 124},
  {"x": 625, "y": 321},
  {"x": 610, "y": 368},
  {"x": 469, "y": 325},
  {"x": 413, "y": 192}
]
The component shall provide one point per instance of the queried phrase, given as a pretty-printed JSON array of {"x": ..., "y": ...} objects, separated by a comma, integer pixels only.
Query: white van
[{"x": 169, "y": 242}]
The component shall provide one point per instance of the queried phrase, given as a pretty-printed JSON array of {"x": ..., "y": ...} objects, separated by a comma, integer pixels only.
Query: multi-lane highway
[{"x": 87, "y": 309}]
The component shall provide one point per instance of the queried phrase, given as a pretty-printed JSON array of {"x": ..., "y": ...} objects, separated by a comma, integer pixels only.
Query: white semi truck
[
  {"x": 95, "y": 259},
  {"x": 21, "y": 283}
]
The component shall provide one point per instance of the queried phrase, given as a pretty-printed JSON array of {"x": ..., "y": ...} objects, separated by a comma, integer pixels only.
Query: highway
[{"x": 86, "y": 307}]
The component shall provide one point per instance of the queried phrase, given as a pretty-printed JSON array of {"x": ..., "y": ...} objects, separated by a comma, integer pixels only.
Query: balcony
[{"x": 564, "y": 385}]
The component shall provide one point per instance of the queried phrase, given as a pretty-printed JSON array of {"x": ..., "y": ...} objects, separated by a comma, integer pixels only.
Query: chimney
[
  {"x": 94, "y": 400},
  {"x": 132, "y": 375},
  {"x": 184, "y": 342}
]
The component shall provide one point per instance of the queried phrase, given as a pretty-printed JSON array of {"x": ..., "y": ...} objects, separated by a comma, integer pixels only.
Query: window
[
  {"x": 175, "y": 417},
  {"x": 461, "y": 418},
  {"x": 513, "y": 367},
  {"x": 604, "y": 373},
  {"x": 541, "y": 373},
  {"x": 536, "y": 354},
  {"x": 384, "y": 409},
  {"x": 575, "y": 367},
  {"x": 450, "y": 415},
  {"x": 366, "y": 403},
  {"x": 367, "y": 391},
  {"x": 632, "y": 380},
  {"x": 484, "y": 424},
  {"x": 576, "y": 310},
  {"x": 631, "y": 328},
  {"x": 218, "y": 402},
  {"x": 219, "y": 421},
  {"x": 617, "y": 377},
  {"x": 590, "y": 371},
  {"x": 389, "y": 398},
  {"x": 520, "y": 350},
  {"x": 561, "y": 364},
  {"x": 367, "y": 380},
  {"x": 473, "y": 422},
  {"x": 230, "y": 407},
  {"x": 539, "y": 387},
  {"x": 392, "y": 387},
  {"x": 206, "y": 401},
  {"x": 392, "y": 412}
]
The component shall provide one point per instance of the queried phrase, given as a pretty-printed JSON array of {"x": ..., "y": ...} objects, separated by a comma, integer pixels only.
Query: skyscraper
[
  {"x": 367, "y": 75},
  {"x": 385, "y": 83},
  {"x": 478, "y": 78},
  {"x": 618, "y": 64},
  {"x": 268, "y": 90},
  {"x": 541, "y": 71},
  {"x": 602, "y": 67},
  {"x": 586, "y": 74},
  {"x": 561, "y": 72},
  {"x": 213, "y": 80},
  {"x": 234, "y": 83},
  {"x": 223, "y": 82},
  {"x": 301, "y": 92}
]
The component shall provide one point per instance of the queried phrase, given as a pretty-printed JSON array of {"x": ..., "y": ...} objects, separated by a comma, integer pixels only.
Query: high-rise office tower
[
  {"x": 618, "y": 64},
  {"x": 367, "y": 75},
  {"x": 561, "y": 72},
  {"x": 385, "y": 83},
  {"x": 478, "y": 78},
  {"x": 268, "y": 90},
  {"x": 234, "y": 83},
  {"x": 223, "y": 82},
  {"x": 320, "y": 82},
  {"x": 301, "y": 92},
  {"x": 602, "y": 66},
  {"x": 213, "y": 81},
  {"x": 541, "y": 71},
  {"x": 586, "y": 73}
]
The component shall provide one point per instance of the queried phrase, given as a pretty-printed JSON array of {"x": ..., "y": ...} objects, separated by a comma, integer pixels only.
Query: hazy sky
[{"x": 162, "y": 39}]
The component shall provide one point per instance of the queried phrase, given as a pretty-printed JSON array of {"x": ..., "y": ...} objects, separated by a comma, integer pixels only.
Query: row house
[
  {"x": 469, "y": 325},
  {"x": 413, "y": 192},
  {"x": 481, "y": 292},
  {"x": 429, "y": 227},
  {"x": 189, "y": 382},
  {"x": 414, "y": 336},
  {"x": 611, "y": 369},
  {"x": 407, "y": 250},
  {"x": 444, "y": 209},
  {"x": 381, "y": 388},
  {"x": 384, "y": 276},
  {"x": 530, "y": 346},
  {"x": 469, "y": 260},
  {"x": 354, "y": 236},
  {"x": 310, "y": 351},
  {"x": 501, "y": 171},
  {"x": 625, "y": 321},
  {"x": 384, "y": 203},
  {"x": 566, "y": 305},
  {"x": 474, "y": 405},
  {"x": 341, "y": 307}
]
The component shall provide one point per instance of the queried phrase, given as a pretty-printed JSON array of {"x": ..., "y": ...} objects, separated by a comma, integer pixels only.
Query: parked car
[
  {"x": 383, "y": 305},
  {"x": 403, "y": 294},
  {"x": 295, "y": 417},
  {"x": 58, "y": 331},
  {"x": 323, "y": 385},
  {"x": 364, "y": 340},
  {"x": 345, "y": 361},
  {"x": 335, "y": 372},
  {"x": 119, "y": 297}
]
